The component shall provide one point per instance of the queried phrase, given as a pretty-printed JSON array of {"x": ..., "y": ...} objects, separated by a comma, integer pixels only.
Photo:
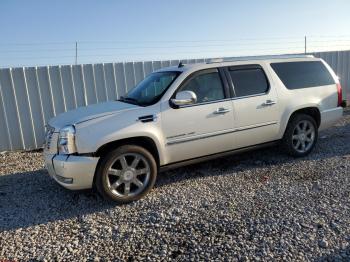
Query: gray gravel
[{"x": 261, "y": 205}]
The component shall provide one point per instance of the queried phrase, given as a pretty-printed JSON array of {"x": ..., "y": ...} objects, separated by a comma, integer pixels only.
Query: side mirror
[{"x": 184, "y": 98}]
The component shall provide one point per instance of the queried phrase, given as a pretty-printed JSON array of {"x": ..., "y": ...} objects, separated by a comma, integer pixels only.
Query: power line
[
  {"x": 151, "y": 47},
  {"x": 118, "y": 60},
  {"x": 135, "y": 47},
  {"x": 210, "y": 40},
  {"x": 168, "y": 41},
  {"x": 164, "y": 47},
  {"x": 37, "y": 50},
  {"x": 150, "y": 53},
  {"x": 236, "y": 46},
  {"x": 231, "y": 49}
]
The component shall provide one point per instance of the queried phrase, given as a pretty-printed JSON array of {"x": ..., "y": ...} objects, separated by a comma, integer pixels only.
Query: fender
[
  {"x": 90, "y": 136},
  {"x": 290, "y": 110}
]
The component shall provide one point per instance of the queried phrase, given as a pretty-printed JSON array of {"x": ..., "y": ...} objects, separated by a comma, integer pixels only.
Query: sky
[{"x": 46, "y": 32}]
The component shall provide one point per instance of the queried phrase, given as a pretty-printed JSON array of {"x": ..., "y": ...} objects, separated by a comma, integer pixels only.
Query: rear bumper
[
  {"x": 72, "y": 172},
  {"x": 330, "y": 117}
]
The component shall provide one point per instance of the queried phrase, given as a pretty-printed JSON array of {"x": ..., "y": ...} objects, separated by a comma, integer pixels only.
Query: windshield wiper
[{"x": 129, "y": 99}]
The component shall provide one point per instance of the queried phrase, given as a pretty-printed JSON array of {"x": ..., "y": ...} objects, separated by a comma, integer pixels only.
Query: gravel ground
[{"x": 261, "y": 205}]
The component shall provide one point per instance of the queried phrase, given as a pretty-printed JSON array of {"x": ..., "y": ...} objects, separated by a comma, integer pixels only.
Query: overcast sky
[{"x": 44, "y": 32}]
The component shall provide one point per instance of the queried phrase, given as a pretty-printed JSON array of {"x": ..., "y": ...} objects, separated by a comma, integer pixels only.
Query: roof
[{"x": 234, "y": 60}]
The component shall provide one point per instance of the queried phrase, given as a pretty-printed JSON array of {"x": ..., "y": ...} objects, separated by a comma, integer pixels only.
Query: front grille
[{"x": 51, "y": 138}]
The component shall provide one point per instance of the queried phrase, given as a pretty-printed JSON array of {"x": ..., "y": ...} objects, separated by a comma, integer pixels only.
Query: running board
[{"x": 213, "y": 156}]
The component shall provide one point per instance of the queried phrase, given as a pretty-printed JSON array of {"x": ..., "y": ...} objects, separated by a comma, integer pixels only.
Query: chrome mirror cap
[{"x": 184, "y": 98}]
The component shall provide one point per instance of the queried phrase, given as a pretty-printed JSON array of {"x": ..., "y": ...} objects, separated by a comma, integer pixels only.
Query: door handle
[
  {"x": 221, "y": 110},
  {"x": 268, "y": 103}
]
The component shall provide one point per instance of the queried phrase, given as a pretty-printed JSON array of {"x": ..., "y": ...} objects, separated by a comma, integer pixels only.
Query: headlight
[{"x": 66, "y": 140}]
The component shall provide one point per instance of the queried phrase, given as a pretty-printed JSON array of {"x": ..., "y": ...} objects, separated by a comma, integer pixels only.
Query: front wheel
[
  {"x": 301, "y": 135},
  {"x": 126, "y": 174}
]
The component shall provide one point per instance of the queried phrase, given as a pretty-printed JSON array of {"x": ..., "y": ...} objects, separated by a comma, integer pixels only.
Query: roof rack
[
  {"x": 181, "y": 64},
  {"x": 262, "y": 57}
]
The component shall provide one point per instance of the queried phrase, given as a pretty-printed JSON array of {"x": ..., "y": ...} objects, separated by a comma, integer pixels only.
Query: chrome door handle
[
  {"x": 269, "y": 103},
  {"x": 221, "y": 110}
]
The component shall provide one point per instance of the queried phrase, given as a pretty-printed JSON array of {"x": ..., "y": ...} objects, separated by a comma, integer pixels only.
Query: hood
[{"x": 90, "y": 112}]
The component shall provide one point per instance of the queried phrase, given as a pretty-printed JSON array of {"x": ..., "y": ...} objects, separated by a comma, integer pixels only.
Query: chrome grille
[{"x": 51, "y": 138}]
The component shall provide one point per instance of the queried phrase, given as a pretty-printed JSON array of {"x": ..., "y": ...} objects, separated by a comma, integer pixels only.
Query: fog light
[{"x": 66, "y": 180}]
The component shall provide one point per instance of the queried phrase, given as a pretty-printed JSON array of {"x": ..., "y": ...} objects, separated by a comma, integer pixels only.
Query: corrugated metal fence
[{"x": 30, "y": 96}]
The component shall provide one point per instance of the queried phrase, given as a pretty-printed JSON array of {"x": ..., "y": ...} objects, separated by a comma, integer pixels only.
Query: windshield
[{"x": 151, "y": 89}]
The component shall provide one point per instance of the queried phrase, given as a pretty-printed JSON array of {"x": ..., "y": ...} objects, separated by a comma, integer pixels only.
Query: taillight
[{"x": 340, "y": 95}]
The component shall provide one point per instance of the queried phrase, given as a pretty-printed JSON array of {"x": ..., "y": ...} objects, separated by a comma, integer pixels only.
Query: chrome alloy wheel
[
  {"x": 303, "y": 136},
  {"x": 128, "y": 175}
]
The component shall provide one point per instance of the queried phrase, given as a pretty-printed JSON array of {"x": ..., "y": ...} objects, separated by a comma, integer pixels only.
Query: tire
[
  {"x": 293, "y": 134},
  {"x": 120, "y": 179}
]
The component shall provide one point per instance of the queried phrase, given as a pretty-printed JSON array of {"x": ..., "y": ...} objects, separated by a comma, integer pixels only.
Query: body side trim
[{"x": 224, "y": 132}]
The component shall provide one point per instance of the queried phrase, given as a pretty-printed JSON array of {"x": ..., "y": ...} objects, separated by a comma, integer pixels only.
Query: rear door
[{"x": 255, "y": 105}]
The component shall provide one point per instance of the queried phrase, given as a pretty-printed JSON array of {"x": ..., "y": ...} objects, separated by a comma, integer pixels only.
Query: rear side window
[
  {"x": 249, "y": 81},
  {"x": 295, "y": 75}
]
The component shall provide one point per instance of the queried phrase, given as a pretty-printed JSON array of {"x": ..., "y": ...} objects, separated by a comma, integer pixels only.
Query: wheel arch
[
  {"x": 311, "y": 110},
  {"x": 143, "y": 141},
  {"x": 314, "y": 112}
]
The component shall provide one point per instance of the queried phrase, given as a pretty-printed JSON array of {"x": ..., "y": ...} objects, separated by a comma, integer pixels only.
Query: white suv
[{"x": 190, "y": 113}]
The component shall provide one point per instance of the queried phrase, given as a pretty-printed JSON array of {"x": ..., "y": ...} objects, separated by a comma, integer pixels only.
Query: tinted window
[
  {"x": 296, "y": 75},
  {"x": 149, "y": 90},
  {"x": 249, "y": 81},
  {"x": 206, "y": 86}
]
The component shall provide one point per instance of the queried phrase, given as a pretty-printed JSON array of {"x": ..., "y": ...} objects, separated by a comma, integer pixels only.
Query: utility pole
[
  {"x": 76, "y": 52},
  {"x": 305, "y": 45}
]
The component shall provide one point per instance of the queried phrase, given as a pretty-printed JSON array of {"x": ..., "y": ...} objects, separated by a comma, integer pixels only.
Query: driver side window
[{"x": 207, "y": 87}]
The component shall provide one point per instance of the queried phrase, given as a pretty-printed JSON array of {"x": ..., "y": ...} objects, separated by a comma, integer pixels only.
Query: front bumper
[{"x": 72, "y": 172}]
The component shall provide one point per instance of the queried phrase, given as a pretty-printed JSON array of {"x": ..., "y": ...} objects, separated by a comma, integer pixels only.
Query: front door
[{"x": 202, "y": 128}]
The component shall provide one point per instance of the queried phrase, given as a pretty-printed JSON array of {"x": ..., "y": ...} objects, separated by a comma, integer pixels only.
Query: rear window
[
  {"x": 295, "y": 75},
  {"x": 249, "y": 81}
]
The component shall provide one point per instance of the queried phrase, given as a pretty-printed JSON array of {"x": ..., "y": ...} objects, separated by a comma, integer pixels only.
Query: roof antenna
[{"x": 180, "y": 64}]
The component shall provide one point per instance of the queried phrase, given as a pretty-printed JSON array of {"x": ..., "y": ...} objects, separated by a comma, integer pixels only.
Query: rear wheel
[
  {"x": 126, "y": 174},
  {"x": 301, "y": 135}
]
